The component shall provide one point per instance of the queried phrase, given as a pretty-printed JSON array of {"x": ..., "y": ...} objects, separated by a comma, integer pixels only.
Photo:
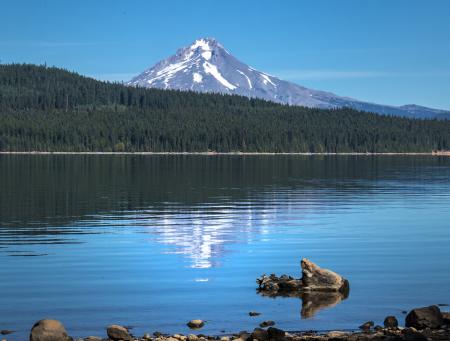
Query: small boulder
[
  {"x": 254, "y": 313},
  {"x": 49, "y": 330},
  {"x": 314, "y": 278},
  {"x": 260, "y": 334},
  {"x": 195, "y": 324},
  {"x": 390, "y": 322},
  {"x": 116, "y": 333},
  {"x": 268, "y": 323},
  {"x": 411, "y": 334},
  {"x": 366, "y": 326},
  {"x": 426, "y": 317},
  {"x": 243, "y": 335},
  {"x": 275, "y": 333},
  {"x": 446, "y": 317},
  {"x": 337, "y": 334}
]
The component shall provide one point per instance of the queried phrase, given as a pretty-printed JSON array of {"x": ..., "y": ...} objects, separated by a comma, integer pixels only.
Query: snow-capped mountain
[{"x": 206, "y": 66}]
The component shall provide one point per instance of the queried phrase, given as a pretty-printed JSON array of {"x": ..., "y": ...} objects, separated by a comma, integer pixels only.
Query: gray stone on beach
[
  {"x": 259, "y": 334},
  {"x": 426, "y": 317},
  {"x": 275, "y": 333},
  {"x": 49, "y": 330},
  {"x": 390, "y": 322},
  {"x": 116, "y": 333},
  {"x": 446, "y": 317},
  {"x": 367, "y": 325},
  {"x": 192, "y": 337}
]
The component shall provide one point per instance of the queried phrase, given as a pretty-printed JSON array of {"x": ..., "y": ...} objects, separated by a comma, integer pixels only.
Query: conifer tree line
[{"x": 50, "y": 109}]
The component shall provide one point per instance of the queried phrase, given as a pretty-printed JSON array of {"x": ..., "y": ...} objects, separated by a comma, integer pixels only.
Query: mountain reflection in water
[{"x": 154, "y": 241}]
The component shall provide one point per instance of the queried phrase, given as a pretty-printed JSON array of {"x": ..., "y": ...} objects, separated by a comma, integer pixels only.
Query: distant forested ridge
[{"x": 50, "y": 109}]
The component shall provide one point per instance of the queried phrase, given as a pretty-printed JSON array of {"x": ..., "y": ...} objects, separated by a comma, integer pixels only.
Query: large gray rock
[
  {"x": 426, "y": 317},
  {"x": 49, "y": 330},
  {"x": 116, "y": 332},
  {"x": 314, "y": 278}
]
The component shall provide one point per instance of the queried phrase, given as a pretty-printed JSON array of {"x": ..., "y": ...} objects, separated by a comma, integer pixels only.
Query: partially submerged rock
[
  {"x": 267, "y": 323},
  {"x": 195, "y": 324},
  {"x": 254, "y": 313},
  {"x": 426, "y": 317},
  {"x": 49, "y": 330}
]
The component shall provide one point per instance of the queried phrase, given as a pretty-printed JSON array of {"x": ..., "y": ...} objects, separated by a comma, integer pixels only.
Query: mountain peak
[
  {"x": 205, "y": 43},
  {"x": 206, "y": 66},
  {"x": 204, "y": 46}
]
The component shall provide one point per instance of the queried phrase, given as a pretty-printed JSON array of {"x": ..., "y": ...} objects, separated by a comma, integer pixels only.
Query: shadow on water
[{"x": 312, "y": 302}]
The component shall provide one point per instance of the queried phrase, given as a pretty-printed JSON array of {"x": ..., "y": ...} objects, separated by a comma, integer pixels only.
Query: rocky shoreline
[
  {"x": 421, "y": 324},
  {"x": 317, "y": 288}
]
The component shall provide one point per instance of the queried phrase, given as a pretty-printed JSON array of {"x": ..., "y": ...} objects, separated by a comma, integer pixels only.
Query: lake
[{"x": 154, "y": 241}]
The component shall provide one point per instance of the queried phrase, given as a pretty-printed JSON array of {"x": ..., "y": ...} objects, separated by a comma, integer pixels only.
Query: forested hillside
[{"x": 49, "y": 109}]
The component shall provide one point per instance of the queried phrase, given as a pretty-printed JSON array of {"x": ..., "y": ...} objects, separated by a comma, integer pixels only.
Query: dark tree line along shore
[{"x": 50, "y": 109}]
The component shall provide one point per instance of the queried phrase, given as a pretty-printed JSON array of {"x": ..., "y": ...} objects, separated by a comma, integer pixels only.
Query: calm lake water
[{"x": 154, "y": 241}]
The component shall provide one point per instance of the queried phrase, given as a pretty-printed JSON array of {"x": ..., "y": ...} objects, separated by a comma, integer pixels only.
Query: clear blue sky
[{"x": 385, "y": 51}]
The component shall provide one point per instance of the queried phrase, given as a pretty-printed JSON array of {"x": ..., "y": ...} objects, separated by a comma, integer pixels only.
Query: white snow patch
[
  {"x": 197, "y": 77},
  {"x": 168, "y": 72},
  {"x": 212, "y": 70},
  {"x": 207, "y": 55},
  {"x": 201, "y": 43},
  {"x": 248, "y": 79},
  {"x": 267, "y": 79}
]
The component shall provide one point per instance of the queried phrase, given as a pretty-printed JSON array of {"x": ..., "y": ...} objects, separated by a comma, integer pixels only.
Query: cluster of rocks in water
[
  {"x": 316, "y": 287},
  {"x": 314, "y": 279}
]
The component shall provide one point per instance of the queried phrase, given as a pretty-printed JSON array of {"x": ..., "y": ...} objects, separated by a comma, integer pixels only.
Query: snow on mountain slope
[{"x": 206, "y": 66}]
